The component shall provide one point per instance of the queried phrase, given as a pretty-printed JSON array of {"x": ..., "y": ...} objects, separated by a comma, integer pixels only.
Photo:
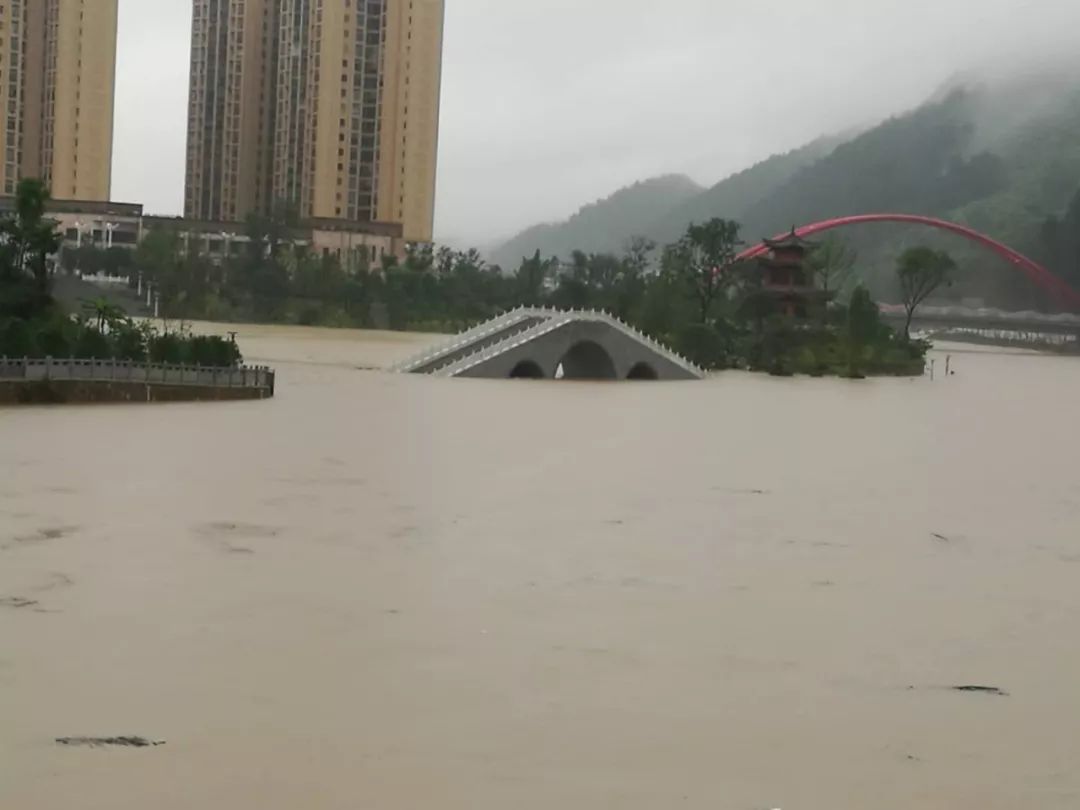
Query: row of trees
[
  {"x": 1061, "y": 242},
  {"x": 33, "y": 325},
  {"x": 691, "y": 294}
]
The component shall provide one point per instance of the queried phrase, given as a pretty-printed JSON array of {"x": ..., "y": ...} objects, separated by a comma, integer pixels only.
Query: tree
[
  {"x": 863, "y": 326},
  {"x": 267, "y": 233},
  {"x": 627, "y": 297},
  {"x": 637, "y": 253},
  {"x": 1061, "y": 242},
  {"x": 704, "y": 260},
  {"x": 107, "y": 316},
  {"x": 920, "y": 271},
  {"x": 833, "y": 264},
  {"x": 863, "y": 317},
  {"x": 262, "y": 277},
  {"x": 29, "y": 238},
  {"x": 530, "y": 279},
  {"x": 157, "y": 255}
]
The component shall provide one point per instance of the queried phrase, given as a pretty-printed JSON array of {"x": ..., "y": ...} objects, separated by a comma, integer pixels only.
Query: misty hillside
[
  {"x": 939, "y": 159},
  {"x": 662, "y": 207},
  {"x": 1002, "y": 158},
  {"x": 603, "y": 226},
  {"x": 732, "y": 197}
]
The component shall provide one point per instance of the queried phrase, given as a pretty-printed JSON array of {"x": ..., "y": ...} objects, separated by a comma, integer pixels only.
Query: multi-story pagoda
[{"x": 788, "y": 280}]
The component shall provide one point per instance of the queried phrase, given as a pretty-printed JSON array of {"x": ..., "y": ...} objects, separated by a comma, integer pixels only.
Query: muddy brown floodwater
[{"x": 389, "y": 592}]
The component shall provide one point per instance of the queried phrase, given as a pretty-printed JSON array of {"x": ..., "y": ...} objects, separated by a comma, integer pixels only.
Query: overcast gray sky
[{"x": 550, "y": 105}]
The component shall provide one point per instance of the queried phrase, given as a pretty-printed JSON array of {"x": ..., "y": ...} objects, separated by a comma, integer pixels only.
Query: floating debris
[
  {"x": 983, "y": 690},
  {"x": 102, "y": 742},
  {"x": 17, "y": 602}
]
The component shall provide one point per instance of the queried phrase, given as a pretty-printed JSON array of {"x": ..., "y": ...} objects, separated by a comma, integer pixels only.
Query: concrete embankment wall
[
  {"x": 58, "y": 392},
  {"x": 49, "y": 380}
]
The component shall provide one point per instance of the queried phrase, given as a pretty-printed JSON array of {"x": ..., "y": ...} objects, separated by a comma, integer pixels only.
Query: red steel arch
[{"x": 1035, "y": 271}]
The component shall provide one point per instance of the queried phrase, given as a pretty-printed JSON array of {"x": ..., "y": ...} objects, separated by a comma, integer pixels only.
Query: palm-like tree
[{"x": 106, "y": 315}]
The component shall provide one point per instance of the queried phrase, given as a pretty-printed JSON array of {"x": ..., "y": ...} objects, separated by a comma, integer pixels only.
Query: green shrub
[
  {"x": 129, "y": 341},
  {"x": 704, "y": 345},
  {"x": 56, "y": 337},
  {"x": 92, "y": 343},
  {"x": 212, "y": 350},
  {"x": 169, "y": 347},
  {"x": 16, "y": 338}
]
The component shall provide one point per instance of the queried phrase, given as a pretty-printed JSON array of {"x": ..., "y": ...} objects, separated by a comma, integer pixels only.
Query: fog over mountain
[
  {"x": 997, "y": 151},
  {"x": 547, "y": 107}
]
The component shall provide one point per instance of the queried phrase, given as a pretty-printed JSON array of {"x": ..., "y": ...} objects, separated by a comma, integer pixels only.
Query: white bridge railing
[
  {"x": 545, "y": 320},
  {"x": 51, "y": 368},
  {"x": 655, "y": 345},
  {"x": 477, "y": 333},
  {"x": 490, "y": 352}
]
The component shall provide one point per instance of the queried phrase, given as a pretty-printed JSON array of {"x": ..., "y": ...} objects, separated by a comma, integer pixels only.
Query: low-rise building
[
  {"x": 357, "y": 245},
  {"x": 93, "y": 224}
]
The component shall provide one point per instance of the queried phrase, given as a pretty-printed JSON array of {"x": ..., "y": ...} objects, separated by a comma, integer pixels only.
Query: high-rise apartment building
[
  {"x": 57, "y": 78},
  {"x": 328, "y": 106},
  {"x": 230, "y": 108}
]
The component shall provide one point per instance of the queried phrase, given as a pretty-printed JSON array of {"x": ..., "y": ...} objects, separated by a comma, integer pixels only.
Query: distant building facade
[
  {"x": 104, "y": 225},
  {"x": 57, "y": 77},
  {"x": 330, "y": 107},
  {"x": 357, "y": 246}
]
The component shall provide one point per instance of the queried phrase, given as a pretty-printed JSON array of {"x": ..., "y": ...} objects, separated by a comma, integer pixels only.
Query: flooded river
[{"x": 397, "y": 593}]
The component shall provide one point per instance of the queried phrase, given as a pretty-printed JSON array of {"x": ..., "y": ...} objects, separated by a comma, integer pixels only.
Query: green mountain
[
  {"x": 660, "y": 209},
  {"x": 603, "y": 226},
  {"x": 1001, "y": 159},
  {"x": 1000, "y": 156},
  {"x": 732, "y": 197}
]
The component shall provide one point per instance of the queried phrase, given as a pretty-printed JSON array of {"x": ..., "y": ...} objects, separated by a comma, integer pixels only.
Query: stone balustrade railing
[
  {"x": 108, "y": 370},
  {"x": 523, "y": 314}
]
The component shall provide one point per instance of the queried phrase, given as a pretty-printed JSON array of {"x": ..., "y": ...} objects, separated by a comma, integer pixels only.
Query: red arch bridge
[{"x": 1057, "y": 287}]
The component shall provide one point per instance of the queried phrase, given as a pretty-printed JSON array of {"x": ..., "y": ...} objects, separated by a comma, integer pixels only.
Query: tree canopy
[{"x": 921, "y": 271}]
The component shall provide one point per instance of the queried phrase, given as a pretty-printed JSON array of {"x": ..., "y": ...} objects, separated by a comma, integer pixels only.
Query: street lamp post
[
  {"x": 78, "y": 247},
  {"x": 226, "y": 255}
]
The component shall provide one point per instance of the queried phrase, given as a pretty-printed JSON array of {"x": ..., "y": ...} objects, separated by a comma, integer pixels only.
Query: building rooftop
[
  {"x": 791, "y": 241},
  {"x": 105, "y": 208}
]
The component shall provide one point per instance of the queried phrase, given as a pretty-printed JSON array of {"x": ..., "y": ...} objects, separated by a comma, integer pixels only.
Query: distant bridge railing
[
  {"x": 987, "y": 318},
  {"x": 132, "y": 371}
]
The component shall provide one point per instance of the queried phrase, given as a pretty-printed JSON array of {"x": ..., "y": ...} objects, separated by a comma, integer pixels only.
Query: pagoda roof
[{"x": 791, "y": 240}]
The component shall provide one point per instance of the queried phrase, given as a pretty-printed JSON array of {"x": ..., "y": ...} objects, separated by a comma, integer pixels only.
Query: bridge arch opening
[
  {"x": 643, "y": 371},
  {"x": 588, "y": 360},
  {"x": 527, "y": 370}
]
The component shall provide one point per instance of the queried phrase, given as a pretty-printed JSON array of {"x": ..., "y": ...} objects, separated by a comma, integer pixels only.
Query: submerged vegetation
[
  {"x": 32, "y": 324},
  {"x": 691, "y": 295}
]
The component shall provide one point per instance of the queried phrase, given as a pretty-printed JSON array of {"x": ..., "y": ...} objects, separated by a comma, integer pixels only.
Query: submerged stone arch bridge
[{"x": 532, "y": 343}]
